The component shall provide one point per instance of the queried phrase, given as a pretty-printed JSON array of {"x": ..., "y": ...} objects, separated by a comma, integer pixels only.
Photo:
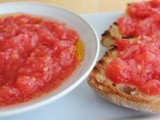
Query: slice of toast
[{"x": 121, "y": 94}]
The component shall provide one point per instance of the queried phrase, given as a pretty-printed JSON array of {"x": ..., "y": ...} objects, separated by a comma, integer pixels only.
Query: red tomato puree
[
  {"x": 36, "y": 56},
  {"x": 143, "y": 19},
  {"x": 138, "y": 62}
]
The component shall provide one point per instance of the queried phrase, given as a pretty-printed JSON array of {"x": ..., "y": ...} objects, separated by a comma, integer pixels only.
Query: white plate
[{"x": 82, "y": 103}]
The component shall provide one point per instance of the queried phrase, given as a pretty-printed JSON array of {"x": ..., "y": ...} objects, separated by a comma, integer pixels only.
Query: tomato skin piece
[
  {"x": 126, "y": 26},
  {"x": 129, "y": 53},
  {"x": 122, "y": 44},
  {"x": 154, "y": 3},
  {"x": 27, "y": 84},
  {"x": 118, "y": 71},
  {"x": 151, "y": 87},
  {"x": 146, "y": 57},
  {"x": 140, "y": 10},
  {"x": 8, "y": 91}
]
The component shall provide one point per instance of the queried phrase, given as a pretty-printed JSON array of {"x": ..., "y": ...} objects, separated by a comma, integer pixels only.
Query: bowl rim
[{"x": 70, "y": 88}]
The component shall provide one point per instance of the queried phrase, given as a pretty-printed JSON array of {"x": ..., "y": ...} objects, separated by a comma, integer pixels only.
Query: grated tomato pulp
[
  {"x": 142, "y": 19},
  {"x": 138, "y": 61},
  {"x": 137, "y": 64},
  {"x": 36, "y": 56}
]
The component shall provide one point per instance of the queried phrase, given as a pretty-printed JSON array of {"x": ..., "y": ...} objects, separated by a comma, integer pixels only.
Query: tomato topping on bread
[
  {"x": 141, "y": 19},
  {"x": 136, "y": 64},
  {"x": 129, "y": 73}
]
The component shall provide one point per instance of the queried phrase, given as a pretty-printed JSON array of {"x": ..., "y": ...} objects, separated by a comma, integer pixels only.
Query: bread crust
[
  {"x": 120, "y": 94},
  {"x": 109, "y": 36}
]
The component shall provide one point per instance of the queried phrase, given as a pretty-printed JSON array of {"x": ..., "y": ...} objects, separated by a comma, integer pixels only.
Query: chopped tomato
[
  {"x": 36, "y": 56},
  {"x": 27, "y": 84},
  {"x": 118, "y": 70},
  {"x": 126, "y": 26},
  {"x": 138, "y": 64},
  {"x": 122, "y": 43},
  {"x": 146, "y": 57},
  {"x": 151, "y": 87},
  {"x": 140, "y": 10},
  {"x": 142, "y": 19}
]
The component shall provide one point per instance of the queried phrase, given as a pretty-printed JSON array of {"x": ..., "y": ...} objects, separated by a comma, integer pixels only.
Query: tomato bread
[
  {"x": 121, "y": 94},
  {"x": 133, "y": 81}
]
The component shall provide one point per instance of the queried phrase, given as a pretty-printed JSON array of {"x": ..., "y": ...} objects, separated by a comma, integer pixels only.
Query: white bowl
[{"x": 87, "y": 34}]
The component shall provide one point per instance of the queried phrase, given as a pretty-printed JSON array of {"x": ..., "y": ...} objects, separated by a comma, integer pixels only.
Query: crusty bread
[
  {"x": 121, "y": 94},
  {"x": 112, "y": 34},
  {"x": 109, "y": 36}
]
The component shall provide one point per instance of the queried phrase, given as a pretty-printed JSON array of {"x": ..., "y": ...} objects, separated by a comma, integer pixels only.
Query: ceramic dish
[{"x": 74, "y": 21}]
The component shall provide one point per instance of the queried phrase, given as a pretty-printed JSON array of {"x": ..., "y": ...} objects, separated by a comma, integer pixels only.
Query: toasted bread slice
[{"x": 122, "y": 94}]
